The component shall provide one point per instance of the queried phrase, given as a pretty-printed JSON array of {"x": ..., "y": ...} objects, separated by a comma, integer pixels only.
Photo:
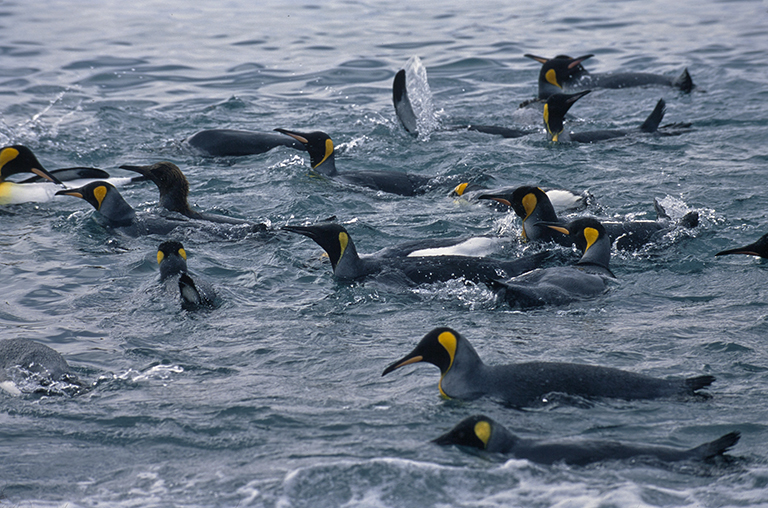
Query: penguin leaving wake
[
  {"x": 464, "y": 376},
  {"x": 172, "y": 259},
  {"x": 484, "y": 433}
]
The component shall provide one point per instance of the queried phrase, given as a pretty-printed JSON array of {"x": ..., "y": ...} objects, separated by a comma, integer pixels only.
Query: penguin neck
[
  {"x": 502, "y": 440},
  {"x": 544, "y": 212},
  {"x": 350, "y": 265},
  {"x": 172, "y": 265},
  {"x": 599, "y": 254},
  {"x": 467, "y": 375},
  {"x": 326, "y": 166},
  {"x": 175, "y": 200},
  {"x": 116, "y": 210}
]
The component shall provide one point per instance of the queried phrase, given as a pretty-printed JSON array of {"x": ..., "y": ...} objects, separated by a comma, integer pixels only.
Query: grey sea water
[{"x": 276, "y": 398}]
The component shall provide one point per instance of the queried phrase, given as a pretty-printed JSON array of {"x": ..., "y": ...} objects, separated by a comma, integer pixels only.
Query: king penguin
[
  {"x": 174, "y": 192},
  {"x": 464, "y": 376},
  {"x": 172, "y": 260},
  {"x": 347, "y": 264},
  {"x": 563, "y": 73},
  {"x": 35, "y": 361},
  {"x": 559, "y": 285},
  {"x": 484, "y": 433},
  {"x": 558, "y": 105},
  {"x": 229, "y": 142},
  {"x": 19, "y": 159}
]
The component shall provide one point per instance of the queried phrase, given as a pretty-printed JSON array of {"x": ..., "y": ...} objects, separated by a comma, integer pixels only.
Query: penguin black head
[
  {"x": 320, "y": 148},
  {"x": 556, "y": 108},
  {"x": 556, "y": 72},
  {"x": 20, "y": 159},
  {"x": 474, "y": 431},
  {"x": 332, "y": 237},
  {"x": 170, "y": 181},
  {"x": 590, "y": 237},
  {"x": 172, "y": 259},
  {"x": 438, "y": 347},
  {"x": 758, "y": 248},
  {"x": 105, "y": 199}
]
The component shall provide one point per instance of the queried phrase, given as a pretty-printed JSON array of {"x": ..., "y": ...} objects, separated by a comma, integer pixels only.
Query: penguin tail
[
  {"x": 693, "y": 384},
  {"x": 403, "y": 107},
  {"x": 684, "y": 81},
  {"x": 717, "y": 447},
  {"x": 651, "y": 123}
]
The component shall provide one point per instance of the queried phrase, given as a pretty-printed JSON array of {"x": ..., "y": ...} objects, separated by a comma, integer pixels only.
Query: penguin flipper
[
  {"x": 190, "y": 296},
  {"x": 717, "y": 447},
  {"x": 403, "y": 107},
  {"x": 684, "y": 81},
  {"x": 651, "y": 123},
  {"x": 661, "y": 214}
]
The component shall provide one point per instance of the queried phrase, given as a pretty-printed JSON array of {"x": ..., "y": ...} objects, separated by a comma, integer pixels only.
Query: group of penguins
[{"x": 524, "y": 282}]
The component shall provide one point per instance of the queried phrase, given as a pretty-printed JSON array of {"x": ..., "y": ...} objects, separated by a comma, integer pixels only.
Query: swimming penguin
[
  {"x": 484, "y": 433},
  {"x": 321, "y": 158},
  {"x": 563, "y": 200},
  {"x": 114, "y": 212},
  {"x": 32, "y": 360},
  {"x": 559, "y": 285},
  {"x": 409, "y": 120},
  {"x": 534, "y": 208},
  {"x": 564, "y": 73},
  {"x": 758, "y": 248},
  {"x": 558, "y": 105},
  {"x": 464, "y": 376},
  {"x": 172, "y": 259},
  {"x": 18, "y": 159},
  {"x": 348, "y": 265},
  {"x": 174, "y": 190},
  {"x": 228, "y": 142}
]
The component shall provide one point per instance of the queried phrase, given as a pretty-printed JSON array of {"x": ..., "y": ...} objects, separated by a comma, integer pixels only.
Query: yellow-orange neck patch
[{"x": 483, "y": 431}]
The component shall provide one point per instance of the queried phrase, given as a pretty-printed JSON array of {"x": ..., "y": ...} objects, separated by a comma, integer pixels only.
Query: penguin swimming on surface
[
  {"x": 174, "y": 191},
  {"x": 228, "y": 142},
  {"x": 321, "y": 158},
  {"x": 348, "y": 265},
  {"x": 534, "y": 208},
  {"x": 558, "y": 285},
  {"x": 484, "y": 433},
  {"x": 563, "y": 74},
  {"x": 172, "y": 260},
  {"x": 758, "y": 248},
  {"x": 36, "y": 362},
  {"x": 464, "y": 376},
  {"x": 558, "y": 105}
]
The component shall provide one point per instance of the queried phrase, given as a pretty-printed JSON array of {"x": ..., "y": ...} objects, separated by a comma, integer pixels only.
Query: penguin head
[
  {"x": 556, "y": 72},
  {"x": 170, "y": 181},
  {"x": 555, "y": 109},
  {"x": 332, "y": 237},
  {"x": 590, "y": 237},
  {"x": 172, "y": 259},
  {"x": 758, "y": 248},
  {"x": 438, "y": 347},
  {"x": 320, "y": 148},
  {"x": 20, "y": 159},
  {"x": 474, "y": 431},
  {"x": 105, "y": 198}
]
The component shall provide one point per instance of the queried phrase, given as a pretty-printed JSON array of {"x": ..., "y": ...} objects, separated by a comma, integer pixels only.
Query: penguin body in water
[
  {"x": 230, "y": 142},
  {"x": 349, "y": 265},
  {"x": 464, "y": 376},
  {"x": 172, "y": 260},
  {"x": 174, "y": 192},
  {"x": 484, "y": 433},
  {"x": 34, "y": 362},
  {"x": 564, "y": 284},
  {"x": 566, "y": 74},
  {"x": 758, "y": 248}
]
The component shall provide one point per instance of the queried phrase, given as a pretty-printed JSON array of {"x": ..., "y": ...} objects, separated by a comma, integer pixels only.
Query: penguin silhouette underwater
[
  {"x": 464, "y": 376},
  {"x": 484, "y": 433}
]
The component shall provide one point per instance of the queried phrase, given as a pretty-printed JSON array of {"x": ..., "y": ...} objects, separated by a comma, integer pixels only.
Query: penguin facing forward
[
  {"x": 481, "y": 432},
  {"x": 174, "y": 192},
  {"x": 172, "y": 260},
  {"x": 564, "y": 284},
  {"x": 563, "y": 74},
  {"x": 347, "y": 264},
  {"x": 464, "y": 376}
]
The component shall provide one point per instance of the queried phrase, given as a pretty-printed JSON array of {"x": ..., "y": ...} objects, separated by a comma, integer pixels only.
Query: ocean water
[{"x": 275, "y": 398}]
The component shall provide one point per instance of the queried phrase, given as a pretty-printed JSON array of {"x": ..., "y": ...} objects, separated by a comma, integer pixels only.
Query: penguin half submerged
[
  {"x": 484, "y": 433},
  {"x": 349, "y": 265},
  {"x": 229, "y": 142},
  {"x": 174, "y": 192},
  {"x": 172, "y": 260},
  {"x": 564, "y": 73},
  {"x": 35, "y": 362},
  {"x": 758, "y": 248},
  {"x": 535, "y": 208},
  {"x": 464, "y": 376},
  {"x": 564, "y": 284}
]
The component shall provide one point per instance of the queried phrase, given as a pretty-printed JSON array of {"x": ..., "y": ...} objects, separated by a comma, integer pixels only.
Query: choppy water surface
[{"x": 276, "y": 398}]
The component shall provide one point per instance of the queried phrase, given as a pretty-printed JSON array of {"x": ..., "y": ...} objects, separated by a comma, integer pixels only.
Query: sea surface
[{"x": 276, "y": 399}]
